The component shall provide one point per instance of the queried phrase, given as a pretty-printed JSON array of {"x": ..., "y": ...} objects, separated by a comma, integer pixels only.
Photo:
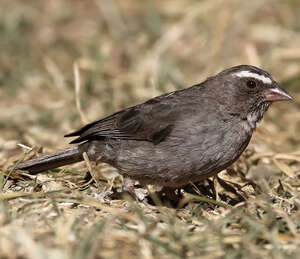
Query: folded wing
[{"x": 152, "y": 121}]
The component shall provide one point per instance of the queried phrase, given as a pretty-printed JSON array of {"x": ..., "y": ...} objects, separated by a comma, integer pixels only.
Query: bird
[{"x": 179, "y": 137}]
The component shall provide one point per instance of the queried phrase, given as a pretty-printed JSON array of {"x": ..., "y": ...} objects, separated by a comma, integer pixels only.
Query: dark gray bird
[{"x": 179, "y": 137}]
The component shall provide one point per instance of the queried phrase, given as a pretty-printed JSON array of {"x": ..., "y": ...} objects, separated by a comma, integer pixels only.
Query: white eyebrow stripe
[{"x": 264, "y": 79}]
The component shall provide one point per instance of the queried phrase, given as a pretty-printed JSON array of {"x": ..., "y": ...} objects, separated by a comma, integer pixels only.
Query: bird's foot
[{"x": 130, "y": 189}]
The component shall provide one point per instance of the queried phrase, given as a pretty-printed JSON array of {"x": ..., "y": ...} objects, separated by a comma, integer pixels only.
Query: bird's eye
[{"x": 251, "y": 84}]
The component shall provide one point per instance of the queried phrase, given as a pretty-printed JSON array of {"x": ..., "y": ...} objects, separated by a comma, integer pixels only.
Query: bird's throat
[{"x": 254, "y": 117}]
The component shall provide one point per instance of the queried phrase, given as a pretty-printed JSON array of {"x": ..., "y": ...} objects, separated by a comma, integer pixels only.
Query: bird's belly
[{"x": 177, "y": 162}]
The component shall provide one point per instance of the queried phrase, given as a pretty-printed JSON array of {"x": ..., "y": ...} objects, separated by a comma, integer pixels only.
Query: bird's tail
[{"x": 48, "y": 162}]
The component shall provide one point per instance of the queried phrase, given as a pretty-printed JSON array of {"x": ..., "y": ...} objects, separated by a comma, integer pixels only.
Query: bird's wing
[{"x": 151, "y": 121}]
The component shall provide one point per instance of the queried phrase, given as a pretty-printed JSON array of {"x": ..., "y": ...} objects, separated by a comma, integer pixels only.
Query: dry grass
[{"x": 125, "y": 52}]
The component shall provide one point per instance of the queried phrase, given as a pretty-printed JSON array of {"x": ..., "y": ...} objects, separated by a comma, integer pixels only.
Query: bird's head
[{"x": 248, "y": 91}]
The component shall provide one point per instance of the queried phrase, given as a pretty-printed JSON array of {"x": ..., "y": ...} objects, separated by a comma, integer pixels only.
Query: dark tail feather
[{"x": 48, "y": 162}]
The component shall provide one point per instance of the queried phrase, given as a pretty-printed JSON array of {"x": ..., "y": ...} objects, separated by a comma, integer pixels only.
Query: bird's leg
[
  {"x": 136, "y": 193},
  {"x": 130, "y": 189},
  {"x": 128, "y": 186}
]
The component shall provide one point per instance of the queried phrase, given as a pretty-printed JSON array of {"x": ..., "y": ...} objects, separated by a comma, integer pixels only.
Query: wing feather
[{"x": 152, "y": 121}]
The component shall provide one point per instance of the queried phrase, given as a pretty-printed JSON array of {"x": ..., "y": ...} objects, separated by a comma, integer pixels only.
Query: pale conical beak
[{"x": 276, "y": 93}]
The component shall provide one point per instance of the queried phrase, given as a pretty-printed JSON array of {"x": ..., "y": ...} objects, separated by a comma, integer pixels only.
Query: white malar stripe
[{"x": 264, "y": 79}]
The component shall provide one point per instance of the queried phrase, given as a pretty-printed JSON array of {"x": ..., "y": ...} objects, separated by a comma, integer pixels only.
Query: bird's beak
[{"x": 276, "y": 93}]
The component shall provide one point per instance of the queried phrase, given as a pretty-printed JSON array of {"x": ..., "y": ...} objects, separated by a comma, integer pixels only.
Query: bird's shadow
[{"x": 232, "y": 193}]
